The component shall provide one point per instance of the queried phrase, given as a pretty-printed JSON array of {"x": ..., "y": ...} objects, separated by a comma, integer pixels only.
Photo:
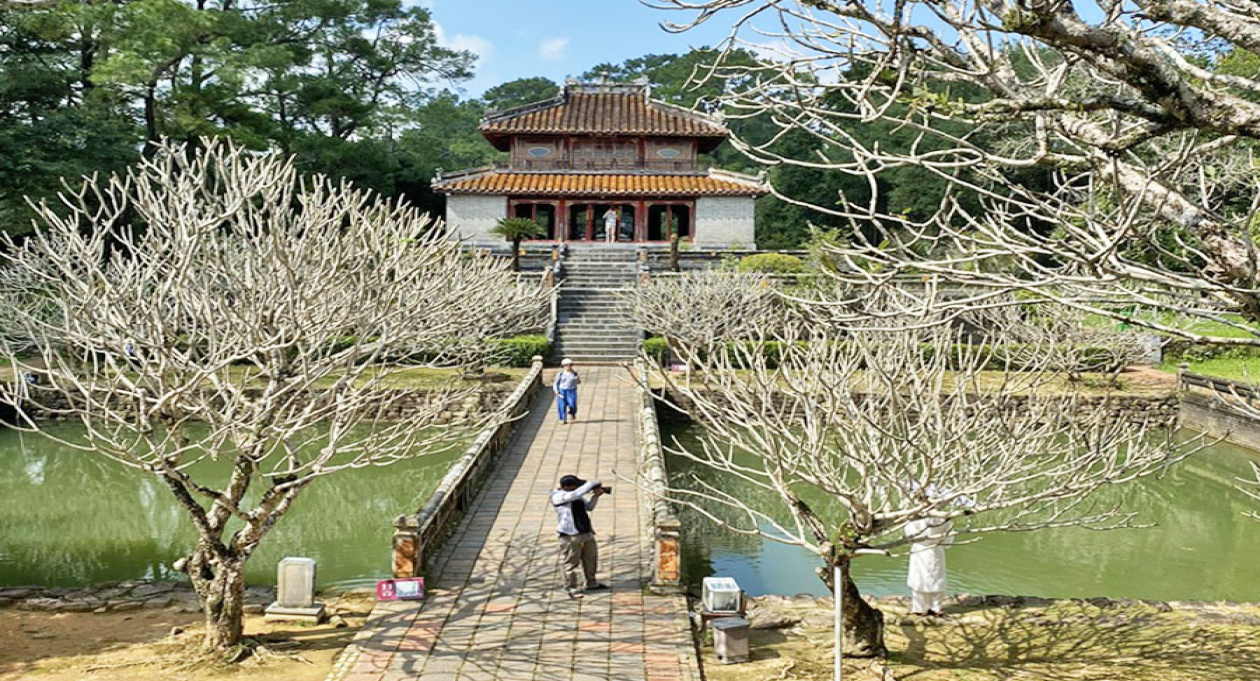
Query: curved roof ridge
[{"x": 603, "y": 109}]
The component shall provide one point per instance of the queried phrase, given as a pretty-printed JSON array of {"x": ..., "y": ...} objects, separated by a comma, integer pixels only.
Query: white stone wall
[
  {"x": 471, "y": 217},
  {"x": 725, "y": 222}
]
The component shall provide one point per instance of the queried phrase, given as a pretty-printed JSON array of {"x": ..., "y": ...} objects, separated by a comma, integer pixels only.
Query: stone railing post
[
  {"x": 667, "y": 556},
  {"x": 1182, "y": 368},
  {"x": 644, "y": 273},
  {"x": 408, "y": 553}
]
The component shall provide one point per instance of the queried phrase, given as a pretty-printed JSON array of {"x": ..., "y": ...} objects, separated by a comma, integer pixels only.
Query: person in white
[
  {"x": 926, "y": 578},
  {"x": 611, "y": 218},
  {"x": 578, "y": 551}
]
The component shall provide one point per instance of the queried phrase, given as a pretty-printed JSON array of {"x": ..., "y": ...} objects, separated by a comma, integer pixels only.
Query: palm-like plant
[{"x": 516, "y": 230}]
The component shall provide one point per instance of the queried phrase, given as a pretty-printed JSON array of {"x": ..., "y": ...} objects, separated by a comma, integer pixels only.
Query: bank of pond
[{"x": 70, "y": 518}]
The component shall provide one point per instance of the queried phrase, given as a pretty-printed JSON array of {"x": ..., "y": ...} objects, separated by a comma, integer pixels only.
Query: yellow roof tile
[{"x": 591, "y": 184}]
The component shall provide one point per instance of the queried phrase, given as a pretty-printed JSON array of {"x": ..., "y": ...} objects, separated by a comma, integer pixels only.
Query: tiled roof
[
  {"x": 717, "y": 183},
  {"x": 602, "y": 109}
]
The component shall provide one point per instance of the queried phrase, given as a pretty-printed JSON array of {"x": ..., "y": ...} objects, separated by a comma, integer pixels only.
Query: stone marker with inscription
[{"x": 295, "y": 592}]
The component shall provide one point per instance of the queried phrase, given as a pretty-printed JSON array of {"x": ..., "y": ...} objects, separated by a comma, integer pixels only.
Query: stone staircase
[{"x": 592, "y": 323}]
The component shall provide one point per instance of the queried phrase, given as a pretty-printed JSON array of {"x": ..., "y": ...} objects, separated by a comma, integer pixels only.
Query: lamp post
[{"x": 839, "y": 616}]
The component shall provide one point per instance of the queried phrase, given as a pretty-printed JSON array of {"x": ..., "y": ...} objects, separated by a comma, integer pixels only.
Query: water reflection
[
  {"x": 69, "y": 517},
  {"x": 1201, "y": 545}
]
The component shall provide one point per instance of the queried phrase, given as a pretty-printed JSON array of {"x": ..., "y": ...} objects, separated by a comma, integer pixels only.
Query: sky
[{"x": 558, "y": 38}]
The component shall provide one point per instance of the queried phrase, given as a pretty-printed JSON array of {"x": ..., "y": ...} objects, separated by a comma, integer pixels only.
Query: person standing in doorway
[
  {"x": 927, "y": 579},
  {"x": 611, "y": 217},
  {"x": 565, "y": 387},
  {"x": 578, "y": 551}
]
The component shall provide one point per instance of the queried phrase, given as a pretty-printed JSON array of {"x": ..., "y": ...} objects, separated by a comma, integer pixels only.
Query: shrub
[
  {"x": 772, "y": 263},
  {"x": 519, "y": 351},
  {"x": 655, "y": 348},
  {"x": 1185, "y": 351},
  {"x": 1010, "y": 357}
]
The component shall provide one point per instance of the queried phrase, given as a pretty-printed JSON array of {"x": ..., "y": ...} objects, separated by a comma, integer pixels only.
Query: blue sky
[{"x": 558, "y": 38}]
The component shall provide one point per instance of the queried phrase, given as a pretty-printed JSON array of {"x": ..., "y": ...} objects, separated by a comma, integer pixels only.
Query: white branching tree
[
  {"x": 213, "y": 303},
  {"x": 853, "y": 434},
  {"x": 1106, "y": 150}
]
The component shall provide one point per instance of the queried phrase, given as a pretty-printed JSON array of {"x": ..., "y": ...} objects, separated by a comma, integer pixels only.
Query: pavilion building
[{"x": 601, "y": 146}]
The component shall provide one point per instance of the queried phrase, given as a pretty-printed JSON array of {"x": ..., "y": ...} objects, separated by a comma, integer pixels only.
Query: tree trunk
[
  {"x": 516, "y": 254},
  {"x": 863, "y": 624},
  {"x": 221, "y": 586},
  {"x": 150, "y": 122}
]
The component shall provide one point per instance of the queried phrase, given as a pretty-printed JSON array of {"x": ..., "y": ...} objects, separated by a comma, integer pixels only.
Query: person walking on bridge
[
  {"x": 578, "y": 551},
  {"x": 565, "y": 387}
]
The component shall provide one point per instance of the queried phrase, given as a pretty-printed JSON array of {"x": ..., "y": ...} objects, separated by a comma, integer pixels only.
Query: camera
[{"x": 606, "y": 490}]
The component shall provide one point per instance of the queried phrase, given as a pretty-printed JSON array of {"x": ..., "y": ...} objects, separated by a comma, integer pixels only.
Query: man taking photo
[{"x": 577, "y": 537}]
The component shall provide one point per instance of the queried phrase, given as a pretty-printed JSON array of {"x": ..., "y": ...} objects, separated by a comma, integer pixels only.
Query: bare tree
[
  {"x": 855, "y": 434},
  {"x": 1139, "y": 119},
  {"x": 214, "y": 303}
]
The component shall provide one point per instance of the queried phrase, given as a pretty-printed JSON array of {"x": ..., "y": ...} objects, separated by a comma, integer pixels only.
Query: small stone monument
[{"x": 295, "y": 592}]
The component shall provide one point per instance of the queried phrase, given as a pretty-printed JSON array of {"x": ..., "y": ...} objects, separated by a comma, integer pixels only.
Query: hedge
[
  {"x": 519, "y": 351},
  {"x": 772, "y": 263},
  {"x": 516, "y": 351},
  {"x": 999, "y": 358},
  {"x": 1186, "y": 351}
]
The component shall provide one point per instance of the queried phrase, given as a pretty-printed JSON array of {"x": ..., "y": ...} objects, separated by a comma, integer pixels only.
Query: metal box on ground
[
  {"x": 730, "y": 639},
  {"x": 721, "y": 594}
]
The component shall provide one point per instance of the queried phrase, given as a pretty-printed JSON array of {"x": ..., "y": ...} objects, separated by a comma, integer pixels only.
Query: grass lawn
[
  {"x": 1131, "y": 383},
  {"x": 400, "y": 377},
  {"x": 1202, "y": 327},
  {"x": 1243, "y": 370}
]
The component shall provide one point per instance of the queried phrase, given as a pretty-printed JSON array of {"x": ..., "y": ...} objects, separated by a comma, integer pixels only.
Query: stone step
[
  {"x": 610, "y": 336},
  {"x": 612, "y": 265},
  {"x": 628, "y": 280},
  {"x": 590, "y": 346},
  {"x": 592, "y": 302},
  {"x": 595, "y": 324}
]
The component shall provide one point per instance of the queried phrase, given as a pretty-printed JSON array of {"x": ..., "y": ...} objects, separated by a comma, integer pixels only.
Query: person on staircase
[
  {"x": 578, "y": 551},
  {"x": 565, "y": 387},
  {"x": 612, "y": 216}
]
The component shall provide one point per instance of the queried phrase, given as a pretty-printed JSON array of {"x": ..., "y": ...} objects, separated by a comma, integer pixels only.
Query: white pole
[{"x": 839, "y": 601}]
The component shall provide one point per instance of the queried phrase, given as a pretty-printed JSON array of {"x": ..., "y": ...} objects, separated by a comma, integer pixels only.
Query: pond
[
  {"x": 70, "y": 518},
  {"x": 1201, "y": 547}
]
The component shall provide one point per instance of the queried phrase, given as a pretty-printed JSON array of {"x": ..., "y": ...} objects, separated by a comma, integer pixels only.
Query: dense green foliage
[
  {"x": 85, "y": 87},
  {"x": 772, "y": 263},
  {"x": 519, "y": 351},
  {"x": 1008, "y": 357}
]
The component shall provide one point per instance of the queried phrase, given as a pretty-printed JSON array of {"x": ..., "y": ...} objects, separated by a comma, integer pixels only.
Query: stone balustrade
[{"x": 418, "y": 536}]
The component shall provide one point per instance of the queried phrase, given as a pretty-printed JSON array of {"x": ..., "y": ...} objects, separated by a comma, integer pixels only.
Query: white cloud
[
  {"x": 553, "y": 49},
  {"x": 484, "y": 49}
]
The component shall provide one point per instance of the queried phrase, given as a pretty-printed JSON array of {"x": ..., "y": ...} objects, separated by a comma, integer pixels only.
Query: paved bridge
[{"x": 496, "y": 610}]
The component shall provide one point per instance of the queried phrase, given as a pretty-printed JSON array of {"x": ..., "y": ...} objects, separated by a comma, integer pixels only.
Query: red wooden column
[
  {"x": 562, "y": 220},
  {"x": 640, "y": 220}
]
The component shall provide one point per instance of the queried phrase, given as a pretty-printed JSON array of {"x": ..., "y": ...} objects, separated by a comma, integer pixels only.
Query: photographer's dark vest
[{"x": 581, "y": 521}]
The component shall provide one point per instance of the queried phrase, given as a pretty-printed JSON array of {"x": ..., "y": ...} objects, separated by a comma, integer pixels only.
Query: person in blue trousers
[{"x": 565, "y": 387}]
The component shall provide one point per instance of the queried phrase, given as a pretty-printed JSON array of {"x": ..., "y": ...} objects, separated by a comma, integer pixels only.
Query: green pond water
[
  {"x": 1201, "y": 547},
  {"x": 69, "y": 517}
]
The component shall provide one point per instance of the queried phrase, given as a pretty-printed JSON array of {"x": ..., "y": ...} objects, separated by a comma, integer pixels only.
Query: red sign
[{"x": 410, "y": 589}]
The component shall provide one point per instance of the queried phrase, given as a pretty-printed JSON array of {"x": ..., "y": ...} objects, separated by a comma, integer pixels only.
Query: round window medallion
[
  {"x": 668, "y": 153},
  {"x": 538, "y": 152}
]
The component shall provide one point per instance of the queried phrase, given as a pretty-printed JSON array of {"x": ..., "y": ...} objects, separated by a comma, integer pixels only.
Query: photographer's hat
[
  {"x": 571, "y": 480},
  {"x": 565, "y": 362}
]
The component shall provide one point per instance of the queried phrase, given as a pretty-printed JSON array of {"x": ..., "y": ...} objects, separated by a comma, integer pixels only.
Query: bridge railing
[
  {"x": 666, "y": 541},
  {"x": 1220, "y": 386},
  {"x": 418, "y": 536}
]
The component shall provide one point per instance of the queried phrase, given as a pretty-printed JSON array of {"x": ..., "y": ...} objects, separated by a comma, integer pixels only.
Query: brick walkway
[{"x": 496, "y": 610}]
